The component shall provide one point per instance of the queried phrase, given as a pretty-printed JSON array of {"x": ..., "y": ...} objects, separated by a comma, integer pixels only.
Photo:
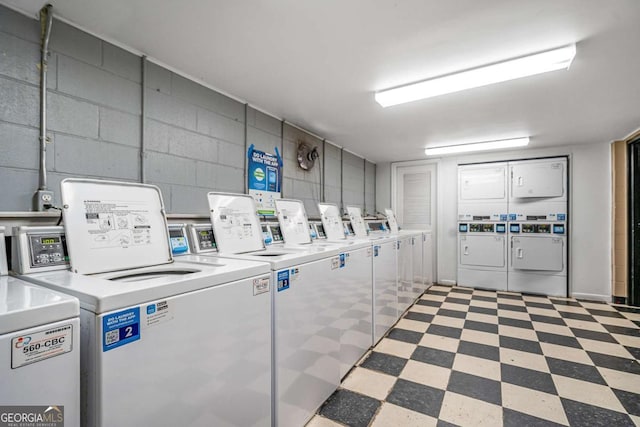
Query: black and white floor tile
[{"x": 469, "y": 357}]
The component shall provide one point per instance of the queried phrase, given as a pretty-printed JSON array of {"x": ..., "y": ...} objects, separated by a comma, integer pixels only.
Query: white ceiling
[{"x": 318, "y": 63}]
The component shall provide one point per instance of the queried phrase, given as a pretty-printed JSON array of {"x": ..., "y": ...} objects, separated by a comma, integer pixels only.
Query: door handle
[
  {"x": 520, "y": 181},
  {"x": 466, "y": 250},
  {"x": 519, "y": 253}
]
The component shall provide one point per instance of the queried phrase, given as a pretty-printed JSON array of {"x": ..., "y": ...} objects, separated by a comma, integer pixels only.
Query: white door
[
  {"x": 538, "y": 178},
  {"x": 537, "y": 253},
  {"x": 483, "y": 251},
  {"x": 413, "y": 199},
  {"x": 482, "y": 183}
]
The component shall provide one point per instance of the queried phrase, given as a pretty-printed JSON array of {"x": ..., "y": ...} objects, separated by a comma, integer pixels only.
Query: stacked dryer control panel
[{"x": 512, "y": 226}]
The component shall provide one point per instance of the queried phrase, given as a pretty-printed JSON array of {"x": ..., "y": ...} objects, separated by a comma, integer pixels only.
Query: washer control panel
[
  {"x": 537, "y": 228},
  {"x": 48, "y": 249},
  {"x": 206, "y": 240},
  {"x": 178, "y": 239}
]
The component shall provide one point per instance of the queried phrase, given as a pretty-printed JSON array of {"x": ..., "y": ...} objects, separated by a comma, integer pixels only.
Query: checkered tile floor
[{"x": 468, "y": 357}]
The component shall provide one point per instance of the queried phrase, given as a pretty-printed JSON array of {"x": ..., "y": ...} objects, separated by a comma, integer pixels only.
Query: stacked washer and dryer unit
[{"x": 512, "y": 226}]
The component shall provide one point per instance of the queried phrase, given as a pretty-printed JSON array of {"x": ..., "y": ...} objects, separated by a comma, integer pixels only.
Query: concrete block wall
[
  {"x": 353, "y": 179},
  {"x": 298, "y": 183},
  {"x": 370, "y": 187},
  {"x": 333, "y": 174},
  {"x": 195, "y": 138}
]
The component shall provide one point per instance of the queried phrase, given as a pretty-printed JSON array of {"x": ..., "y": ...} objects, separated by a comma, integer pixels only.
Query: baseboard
[
  {"x": 447, "y": 282},
  {"x": 591, "y": 297}
]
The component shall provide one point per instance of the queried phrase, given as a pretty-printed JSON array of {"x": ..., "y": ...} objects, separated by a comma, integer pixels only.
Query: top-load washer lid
[
  {"x": 113, "y": 225},
  {"x": 293, "y": 221},
  {"x": 332, "y": 221},
  {"x": 355, "y": 215},
  {"x": 23, "y": 305},
  {"x": 393, "y": 223},
  {"x": 235, "y": 223},
  {"x": 105, "y": 292}
]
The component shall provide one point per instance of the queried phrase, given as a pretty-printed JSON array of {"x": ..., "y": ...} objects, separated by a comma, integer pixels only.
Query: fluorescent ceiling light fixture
[
  {"x": 556, "y": 59},
  {"x": 477, "y": 146}
]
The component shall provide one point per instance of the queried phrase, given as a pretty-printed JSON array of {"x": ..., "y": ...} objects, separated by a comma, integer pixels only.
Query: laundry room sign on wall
[{"x": 264, "y": 179}]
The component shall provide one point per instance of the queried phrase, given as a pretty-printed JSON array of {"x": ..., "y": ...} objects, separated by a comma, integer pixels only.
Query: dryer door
[
  {"x": 537, "y": 253},
  {"x": 538, "y": 179},
  {"x": 483, "y": 251},
  {"x": 482, "y": 183}
]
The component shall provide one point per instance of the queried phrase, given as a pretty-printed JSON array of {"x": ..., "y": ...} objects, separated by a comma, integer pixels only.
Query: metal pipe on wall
[
  {"x": 245, "y": 175},
  {"x": 143, "y": 72},
  {"x": 342, "y": 181},
  {"x": 282, "y": 155},
  {"x": 324, "y": 169},
  {"x": 43, "y": 198}
]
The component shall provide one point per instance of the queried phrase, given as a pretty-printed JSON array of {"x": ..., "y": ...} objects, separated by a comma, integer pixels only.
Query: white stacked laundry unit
[
  {"x": 512, "y": 226},
  {"x": 538, "y": 201},
  {"x": 482, "y": 218}
]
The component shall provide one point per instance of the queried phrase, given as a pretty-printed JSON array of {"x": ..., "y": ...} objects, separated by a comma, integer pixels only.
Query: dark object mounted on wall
[{"x": 307, "y": 155}]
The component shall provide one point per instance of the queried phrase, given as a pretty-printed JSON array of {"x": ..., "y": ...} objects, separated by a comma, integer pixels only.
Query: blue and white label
[
  {"x": 562, "y": 217},
  {"x": 120, "y": 328},
  {"x": 283, "y": 280},
  {"x": 343, "y": 260},
  {"x": 503, "y": 217},
  {"x": 376, "y": 251},
  {"x": 512, "y": 217}
]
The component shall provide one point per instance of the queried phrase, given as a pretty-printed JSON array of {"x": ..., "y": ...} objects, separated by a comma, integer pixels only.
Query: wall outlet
[{"x": 42, "y": 200}]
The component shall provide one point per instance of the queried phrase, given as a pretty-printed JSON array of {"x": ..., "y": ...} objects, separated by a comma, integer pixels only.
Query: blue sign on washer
[
  {"x": 283, "y": 280},
  {"x": 120, "y": 328}
]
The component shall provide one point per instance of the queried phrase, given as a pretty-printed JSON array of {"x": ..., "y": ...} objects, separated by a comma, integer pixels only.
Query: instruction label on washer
[
  {"x": 156, "y": 313},
  {"x": 283, "y": 280},
  {"x": 113, "y": 224},
  {"x": 41, "y": 345},
  {"x": 120, "y": 328},
  {"x": 260, "y": 286}
]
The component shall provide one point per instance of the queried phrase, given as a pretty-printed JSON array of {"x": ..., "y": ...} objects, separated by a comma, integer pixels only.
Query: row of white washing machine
[{"x": 252, "y": 334}]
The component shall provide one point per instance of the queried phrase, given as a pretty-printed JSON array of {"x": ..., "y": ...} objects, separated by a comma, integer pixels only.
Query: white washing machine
[
  {"x": 357, "y": 287},
  {"x": 354, "y": 296},
  {"x": 380, "y": 227},
  {"x": 164, "y": 343},
  {"x": 482, "y": 255},
  {"x": 306, "y": 309},
  {"x": 538, "y": 258},
  {"x": 428, "y": 259},
  {"x": 40, "y": 357},
  {"x": 411, "y": 283},
  {"x": 385, "y": 265}
]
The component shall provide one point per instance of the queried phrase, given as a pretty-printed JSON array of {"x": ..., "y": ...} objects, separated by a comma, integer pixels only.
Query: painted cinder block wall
[{"x": 195, "y": 138}]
